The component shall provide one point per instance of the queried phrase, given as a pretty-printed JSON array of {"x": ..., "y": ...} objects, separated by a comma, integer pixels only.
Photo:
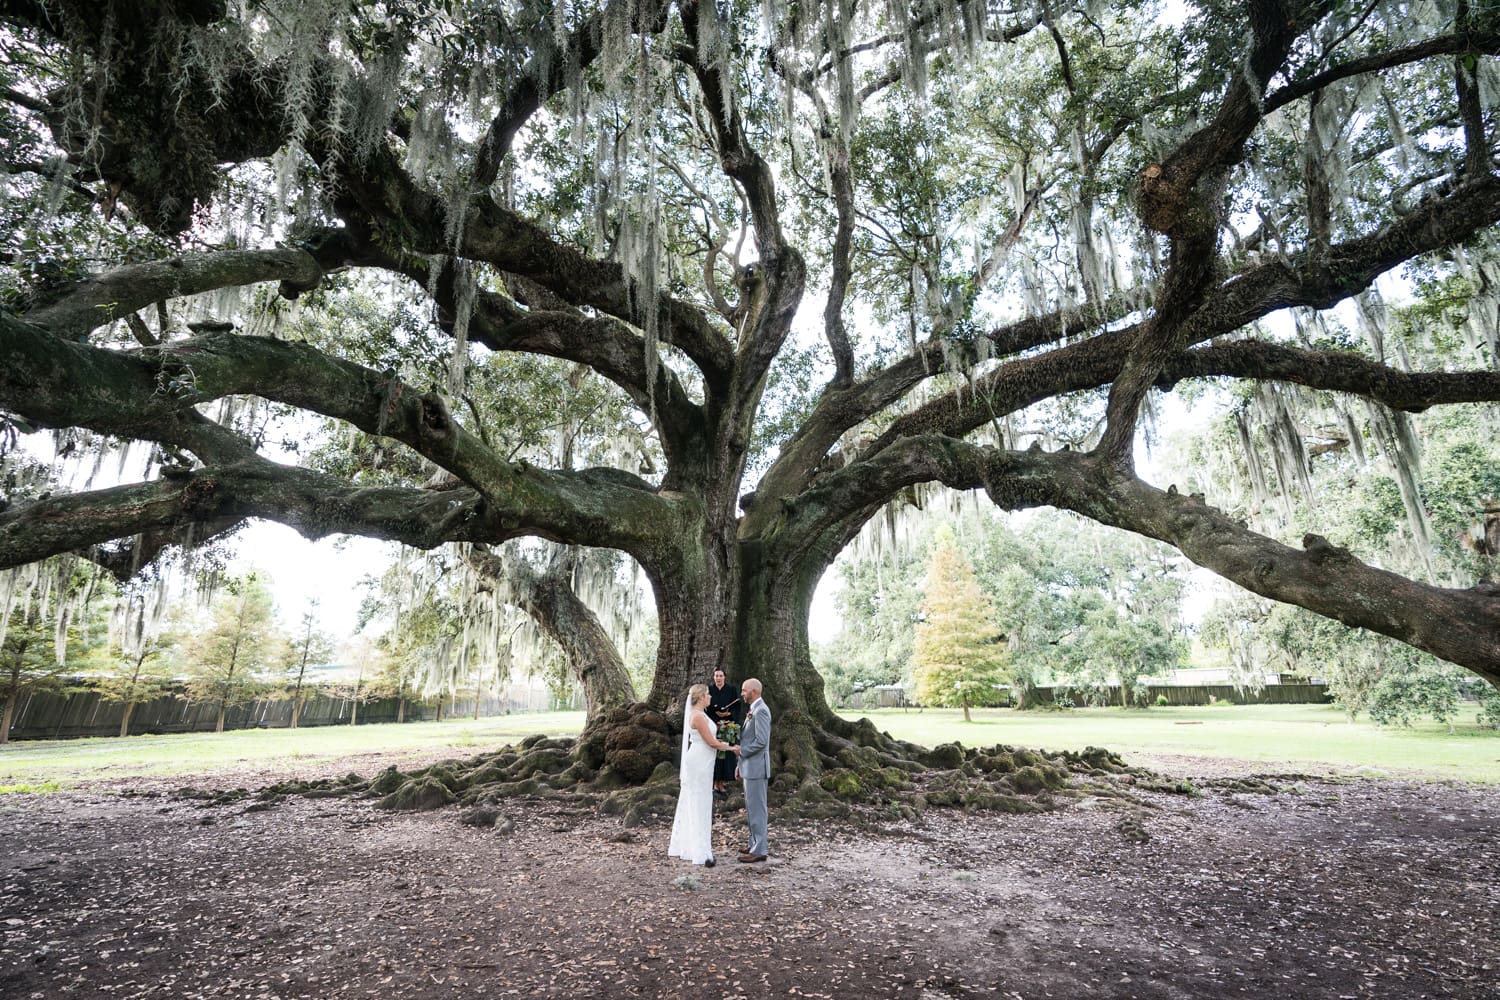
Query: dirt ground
[{"x": 1332, "y": 888}]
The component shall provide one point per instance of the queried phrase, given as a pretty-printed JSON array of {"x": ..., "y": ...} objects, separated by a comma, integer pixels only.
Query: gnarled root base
[
  {"x": 839, "y": 767},
  {"x": 624, "y": 765}
]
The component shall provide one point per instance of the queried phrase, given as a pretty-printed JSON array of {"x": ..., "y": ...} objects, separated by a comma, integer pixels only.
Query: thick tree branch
[
  {"x": 839, "y": 410},
  {"x": 115, "y": 294},
  {"x": 1486, "y": 42},
  {"x": 842, "y": 273},
  {"x": 1183, "y": 198},
  {"x": 846, "y": 499},
  {"x": 314, "y": 504},
  {"x": 61, "y": 383},
  {"x": 603, "y": 343},
  {"x": 780, "y": 275},
  {"x": 548, "y": 71},
  {"x": 1166, "y": 200},
  {"x": 1470, "y": 105},
  {"x": 739, "y": 159},
  {"x": 1241, "y": 300},
  {"x": 1462, "y": 626},
  {"x": 383, "y": 203},
  {"x": 149, "y": 394},
  {"x": 1184, "y": 310},
  {"x": 26, "y": 101},
  {"x": 1334, "y": 371}
]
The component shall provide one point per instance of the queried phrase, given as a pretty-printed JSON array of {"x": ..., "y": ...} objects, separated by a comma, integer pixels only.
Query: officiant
[{"x": 724, "y": 705}]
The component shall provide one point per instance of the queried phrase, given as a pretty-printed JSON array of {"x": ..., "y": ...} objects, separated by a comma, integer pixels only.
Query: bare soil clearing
[{"x": 1333, "y": 888}]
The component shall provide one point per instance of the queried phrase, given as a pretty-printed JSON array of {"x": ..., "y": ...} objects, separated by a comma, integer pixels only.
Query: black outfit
[{"x": 724, "y": 705}]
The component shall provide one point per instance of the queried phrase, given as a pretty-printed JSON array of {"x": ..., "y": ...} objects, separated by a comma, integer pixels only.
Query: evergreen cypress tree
[{"x": 958, "y": 654}]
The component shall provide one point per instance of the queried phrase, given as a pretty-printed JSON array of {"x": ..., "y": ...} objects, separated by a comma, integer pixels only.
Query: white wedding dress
[{"x": 692, "y": 829}]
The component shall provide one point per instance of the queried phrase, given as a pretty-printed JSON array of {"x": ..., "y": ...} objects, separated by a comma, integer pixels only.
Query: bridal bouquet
[{"x": 729, "y": 732}]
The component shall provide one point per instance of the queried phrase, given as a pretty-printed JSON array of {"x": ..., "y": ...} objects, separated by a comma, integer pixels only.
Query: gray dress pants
[{"x": 755, "y": 813}]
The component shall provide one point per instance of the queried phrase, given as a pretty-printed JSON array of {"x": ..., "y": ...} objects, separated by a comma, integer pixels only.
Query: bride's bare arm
[{"x": 700, "y": 723}]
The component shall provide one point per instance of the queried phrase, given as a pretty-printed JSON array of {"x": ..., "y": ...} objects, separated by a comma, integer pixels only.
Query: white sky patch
[{"x": 329, "y": 570}]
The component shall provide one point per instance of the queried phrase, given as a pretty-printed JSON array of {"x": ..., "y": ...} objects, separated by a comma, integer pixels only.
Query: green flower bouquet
[{"x": 729, "y": 733}]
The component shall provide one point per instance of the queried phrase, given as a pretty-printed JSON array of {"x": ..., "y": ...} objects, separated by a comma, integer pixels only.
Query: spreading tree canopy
[{"x": 831, "y": 257}]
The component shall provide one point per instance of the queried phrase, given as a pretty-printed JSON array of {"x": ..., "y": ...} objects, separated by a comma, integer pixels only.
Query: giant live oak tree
[{"x": 984, "y": 211}]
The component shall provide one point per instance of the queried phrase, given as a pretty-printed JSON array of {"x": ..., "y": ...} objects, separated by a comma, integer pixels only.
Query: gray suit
[{"x": 755, "y": 772}]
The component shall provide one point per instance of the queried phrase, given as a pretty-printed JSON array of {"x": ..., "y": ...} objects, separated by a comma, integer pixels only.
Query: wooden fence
[
  {"x": 1109, "y": 694},
  {"x": 83, "y": 712},
  {"x": 1183, "y": 695}
]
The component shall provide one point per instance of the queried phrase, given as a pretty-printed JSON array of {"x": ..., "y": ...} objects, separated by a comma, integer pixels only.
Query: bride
[{"x": 692, "y": 829}]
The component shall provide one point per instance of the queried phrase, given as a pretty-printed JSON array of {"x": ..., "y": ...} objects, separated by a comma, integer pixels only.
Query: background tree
[
  {"x": 141, "y": 660},
  {"x": 44, "y": 615},
  {"x": 369, "y": 664},
  {"x": 1026, "y": 222},
  {"x": 958, "y": 657},
  {"x": 308, "y": 646},
  {"x": 226, "y": 660},
  {"x": 142, "y": 675},
  {"x": 1079, "y": 604},
  {"x": 879, "y": 606},
  {"x": 31, "y": 663},
  {"x": 1404, "y": 694}
]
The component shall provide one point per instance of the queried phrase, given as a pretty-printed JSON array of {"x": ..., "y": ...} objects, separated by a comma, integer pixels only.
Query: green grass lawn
[
  {"x": 69, "y": 762},
  {"x": 1293, "y": 736}
]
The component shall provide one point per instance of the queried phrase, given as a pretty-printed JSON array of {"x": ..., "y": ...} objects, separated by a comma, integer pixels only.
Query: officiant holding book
[{"x": 724, "y": 706}]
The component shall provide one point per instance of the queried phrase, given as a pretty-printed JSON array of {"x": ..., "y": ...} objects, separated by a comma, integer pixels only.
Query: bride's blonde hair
[{"x": 697, "y": 691}]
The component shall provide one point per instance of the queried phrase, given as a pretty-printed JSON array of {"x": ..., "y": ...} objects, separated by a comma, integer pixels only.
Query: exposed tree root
[{"x": 624, "y": 766}]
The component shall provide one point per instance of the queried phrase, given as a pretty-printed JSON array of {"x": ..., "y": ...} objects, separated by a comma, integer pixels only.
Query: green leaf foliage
[{"x": 958, "y": 656}]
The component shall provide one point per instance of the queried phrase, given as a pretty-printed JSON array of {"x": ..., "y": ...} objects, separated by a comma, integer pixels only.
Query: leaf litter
[{"x": 1295, "y": 885}]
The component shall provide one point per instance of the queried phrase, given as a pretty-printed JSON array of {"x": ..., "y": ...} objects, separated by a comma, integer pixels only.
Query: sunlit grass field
[
  {"x": 70, "y": 762},
  {"x": 1280, "y": 736},
  {"x": 1274, "y": 734}
]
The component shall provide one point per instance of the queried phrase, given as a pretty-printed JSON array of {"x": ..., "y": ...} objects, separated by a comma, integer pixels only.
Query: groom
[{"x": 754, "y": 769}]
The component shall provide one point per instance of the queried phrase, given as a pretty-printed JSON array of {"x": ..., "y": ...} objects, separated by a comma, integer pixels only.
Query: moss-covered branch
[
  {"x": 150, "y": 393},
  {"x": 115, "y": 294},
  {"x": 1336, "y": 371},
  {"x": 314, "y": 504},
  {"x": 1462, "y": 626},
  {"x": 1350, "y": 267}
]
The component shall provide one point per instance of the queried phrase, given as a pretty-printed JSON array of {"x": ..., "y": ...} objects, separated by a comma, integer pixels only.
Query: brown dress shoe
[{"x": 750, "y": 859}]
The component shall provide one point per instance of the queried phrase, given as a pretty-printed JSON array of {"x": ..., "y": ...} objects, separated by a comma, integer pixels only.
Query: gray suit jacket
[{"x": 755, "y": 743}]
